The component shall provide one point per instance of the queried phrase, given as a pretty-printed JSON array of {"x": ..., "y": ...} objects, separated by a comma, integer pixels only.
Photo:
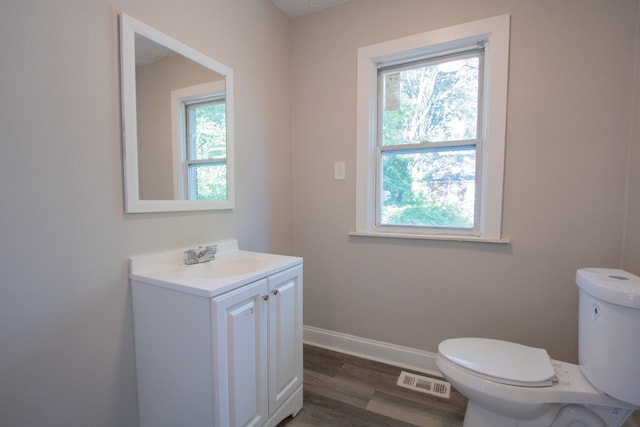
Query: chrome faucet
[{"x": 197, "y": 256}]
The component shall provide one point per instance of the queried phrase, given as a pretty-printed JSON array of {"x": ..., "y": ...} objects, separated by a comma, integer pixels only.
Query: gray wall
[
  {"x": 568, "y": 127},
  {"x": 66, "y": 333},
  {"x": 631, "y": 258}
]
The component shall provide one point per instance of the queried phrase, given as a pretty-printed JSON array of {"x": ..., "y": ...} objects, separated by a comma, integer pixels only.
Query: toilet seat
[{"x": 501, "y": 361}]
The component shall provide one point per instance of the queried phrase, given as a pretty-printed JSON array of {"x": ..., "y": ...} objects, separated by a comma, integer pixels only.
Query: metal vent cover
[{"x": 424, "y": 384}]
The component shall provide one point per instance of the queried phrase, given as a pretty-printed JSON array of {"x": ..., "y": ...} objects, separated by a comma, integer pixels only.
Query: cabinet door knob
[
  {"x": 265, "y": 297},
  {"x": 275, "y": 292}
]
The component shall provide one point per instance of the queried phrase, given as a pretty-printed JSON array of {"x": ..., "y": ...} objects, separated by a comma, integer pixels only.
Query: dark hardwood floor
[{"x": 343, "y": 390}]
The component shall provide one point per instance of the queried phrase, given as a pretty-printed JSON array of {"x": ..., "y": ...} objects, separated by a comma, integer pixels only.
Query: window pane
[
  {"x": 432, "y": 189},
  {"x": 210, "y": 181},
  {"x": 208, "y": 130},
  {"x": 433, "y": 102}
]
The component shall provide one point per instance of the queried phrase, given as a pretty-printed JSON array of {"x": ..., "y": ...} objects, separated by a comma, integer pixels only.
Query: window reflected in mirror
[{"x": 203, "y": 161}]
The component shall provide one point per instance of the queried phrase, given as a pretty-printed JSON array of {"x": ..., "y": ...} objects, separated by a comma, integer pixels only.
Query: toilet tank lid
[
  {"x": 610, "y": 284},
  {"x": 501, "y": 361}
]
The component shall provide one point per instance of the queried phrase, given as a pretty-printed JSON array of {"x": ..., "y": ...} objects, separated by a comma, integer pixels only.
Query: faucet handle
[
  {"x": 212, "y": 251},
  {"x": 191, "y": 257}
]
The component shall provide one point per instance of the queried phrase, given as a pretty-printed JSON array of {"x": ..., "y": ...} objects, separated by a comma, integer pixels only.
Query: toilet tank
[{"x": 609, "y": 331}]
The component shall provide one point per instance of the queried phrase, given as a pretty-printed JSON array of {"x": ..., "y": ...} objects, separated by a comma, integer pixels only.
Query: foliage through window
[
  {"x": 429, "y": 120},
  {"x": 431, "y": 133},
  {"x": 206, "y": 159}
]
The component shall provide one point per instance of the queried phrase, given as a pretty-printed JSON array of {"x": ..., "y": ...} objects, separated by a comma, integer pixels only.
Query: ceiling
[{"x": 296, "y": 8}]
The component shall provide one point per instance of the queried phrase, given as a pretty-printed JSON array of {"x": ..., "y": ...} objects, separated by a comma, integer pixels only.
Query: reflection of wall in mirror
[{"x": 154, "y": 83}]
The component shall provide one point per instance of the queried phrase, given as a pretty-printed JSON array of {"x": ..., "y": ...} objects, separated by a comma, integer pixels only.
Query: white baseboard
[{"x": 403, "y": 357}]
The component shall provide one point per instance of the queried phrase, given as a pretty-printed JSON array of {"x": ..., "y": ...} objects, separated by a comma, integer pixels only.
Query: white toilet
[{"x": 511, "y": 385}]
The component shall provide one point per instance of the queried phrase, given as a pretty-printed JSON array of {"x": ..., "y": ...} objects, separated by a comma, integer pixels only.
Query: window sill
[{"x": 502, "y": 240}]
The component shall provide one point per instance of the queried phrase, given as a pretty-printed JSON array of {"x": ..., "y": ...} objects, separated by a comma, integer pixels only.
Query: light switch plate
[{"x": 339, "y": 171}]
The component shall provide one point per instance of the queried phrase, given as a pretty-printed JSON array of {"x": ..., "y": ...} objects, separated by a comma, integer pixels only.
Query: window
[
  {"x": 206, "y": 147},
  {"x": 431, "y": 133},
  {"x": 200, "y": 144}
]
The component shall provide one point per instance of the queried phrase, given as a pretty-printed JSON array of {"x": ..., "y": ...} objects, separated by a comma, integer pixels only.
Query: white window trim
[
  {"x": 180, "y": 97},
  {"x": 494, "y": 32}
]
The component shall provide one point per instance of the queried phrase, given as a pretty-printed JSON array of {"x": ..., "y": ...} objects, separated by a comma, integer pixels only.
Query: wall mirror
[{"x": 177, "y": 124}]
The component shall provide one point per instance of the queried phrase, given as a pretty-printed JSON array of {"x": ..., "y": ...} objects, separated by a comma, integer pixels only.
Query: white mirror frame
[{"x": 129, "y": 27}]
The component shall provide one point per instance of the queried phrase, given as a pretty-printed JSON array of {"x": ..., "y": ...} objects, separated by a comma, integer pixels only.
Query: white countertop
[{"x": 231, "y": 269}]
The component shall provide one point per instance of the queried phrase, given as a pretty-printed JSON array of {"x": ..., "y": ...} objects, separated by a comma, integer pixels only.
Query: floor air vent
[{"x": 424, "y": 384}]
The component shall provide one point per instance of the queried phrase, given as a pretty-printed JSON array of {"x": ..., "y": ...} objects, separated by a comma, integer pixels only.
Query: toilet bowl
[
  {"x": 511, "y": 385},
  {"x": 493, "y": 402}
]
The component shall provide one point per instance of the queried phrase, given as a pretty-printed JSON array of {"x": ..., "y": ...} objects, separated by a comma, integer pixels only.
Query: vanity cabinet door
[
  {"x": 285, "y": 336},
  {"x": 240, "y": 356}
]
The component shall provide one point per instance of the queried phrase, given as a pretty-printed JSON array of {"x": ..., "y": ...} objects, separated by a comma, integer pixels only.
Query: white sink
[
  {"x": 234, "y": 264},
  {"x": 230, "y": 269}
]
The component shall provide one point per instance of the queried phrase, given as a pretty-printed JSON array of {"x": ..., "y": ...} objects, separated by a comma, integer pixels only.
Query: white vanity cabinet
[
  {"x": 258, "y": 350},
  {"x": 221, "y": 356}
]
